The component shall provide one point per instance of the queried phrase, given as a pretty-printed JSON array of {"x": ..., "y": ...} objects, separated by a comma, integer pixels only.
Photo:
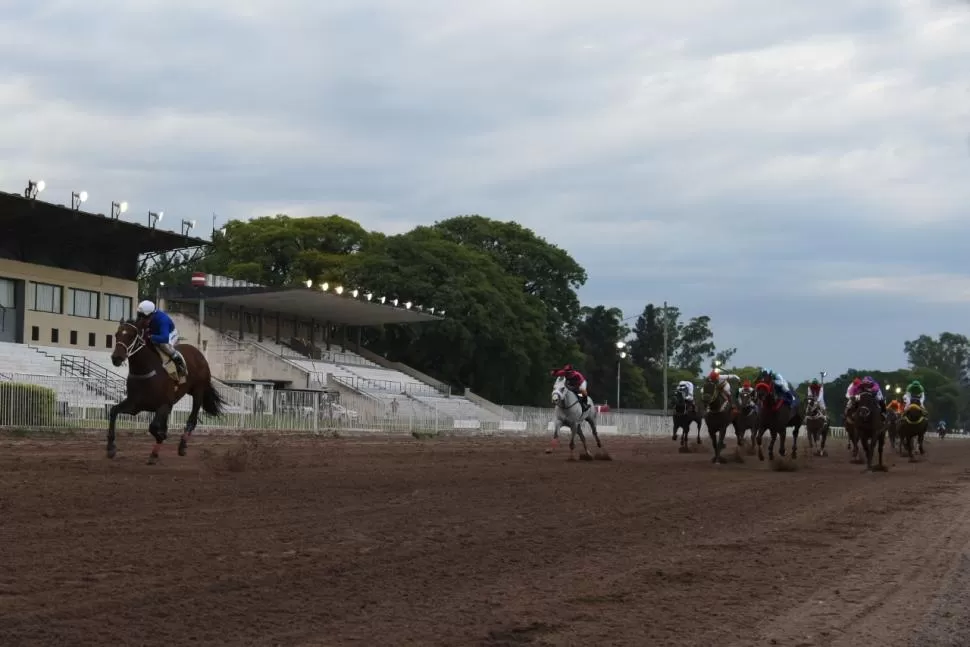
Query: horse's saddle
[{"x": 169, "y": 365}]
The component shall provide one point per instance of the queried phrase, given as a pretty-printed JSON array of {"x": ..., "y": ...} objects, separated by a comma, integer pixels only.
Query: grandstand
[{"x": 302, "y": 352}]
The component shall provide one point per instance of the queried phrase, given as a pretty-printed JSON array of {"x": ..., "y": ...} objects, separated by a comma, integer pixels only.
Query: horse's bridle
[{"x": 136, "y": 344}]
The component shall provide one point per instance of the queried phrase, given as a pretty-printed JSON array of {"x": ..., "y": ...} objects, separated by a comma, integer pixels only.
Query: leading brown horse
[
  {"x": 151, "y": 388},
  {"x": 717, "y": 416},
  {"x": 869, "y": 425}
]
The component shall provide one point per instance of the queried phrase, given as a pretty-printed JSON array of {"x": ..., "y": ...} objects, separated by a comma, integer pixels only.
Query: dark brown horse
[
  {"x": 717, "y": 416},
  {"x": 869, "y": 427},
  {"x": 151, "y": 388},
  {"x": 913, "y": 425},
  {"x": 685, "y": 414},
  {"x": 816, "y": 425},
  {"x": 746, "y": 417},
  {"x": 892, "y": 427},
  {"x": 776, "y": 417}
]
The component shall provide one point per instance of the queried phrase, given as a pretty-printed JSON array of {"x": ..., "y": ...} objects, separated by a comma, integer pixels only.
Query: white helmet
[{"x": 146, "y": 308}]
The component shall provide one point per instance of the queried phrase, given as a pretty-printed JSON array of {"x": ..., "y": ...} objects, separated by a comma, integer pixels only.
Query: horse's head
[
  {"x": 866, "y": 404},
  {"x": 709, "y": 393},
  {"x": 746, "y": 398},
  {"x": 129, "y": 339},
  {"x": 558, "y": 392}
]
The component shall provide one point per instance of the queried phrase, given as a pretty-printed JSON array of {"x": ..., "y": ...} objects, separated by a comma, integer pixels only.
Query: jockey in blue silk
[
  {"x": 782, "y": 387},
  {"x": 162, "y": 332}
]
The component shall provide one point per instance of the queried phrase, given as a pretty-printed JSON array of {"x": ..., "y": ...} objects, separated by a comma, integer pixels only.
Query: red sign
[{"x": 198, "y": 278}]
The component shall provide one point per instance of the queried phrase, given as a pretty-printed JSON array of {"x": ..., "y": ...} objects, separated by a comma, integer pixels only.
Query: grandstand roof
[
  {"x": 305, "y": 303},
  {"x": 25, "y": 219}
]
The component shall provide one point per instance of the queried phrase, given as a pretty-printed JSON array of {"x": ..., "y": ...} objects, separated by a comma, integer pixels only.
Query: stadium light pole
[
  {"x": 33, "y": 188},
  {"x": 621, "y": 355},
  {"x": 187, "y": 226},
  {"x": 118, "y": 208},
  {"x": 77, "y": 198},
  {"x": 665, "y": 360},
  {"x": 155, "y": 218},
  {"x": 158, "y": 293}
]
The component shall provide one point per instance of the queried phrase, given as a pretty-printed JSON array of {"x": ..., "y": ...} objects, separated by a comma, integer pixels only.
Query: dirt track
[{"x": 479, "y": 542}]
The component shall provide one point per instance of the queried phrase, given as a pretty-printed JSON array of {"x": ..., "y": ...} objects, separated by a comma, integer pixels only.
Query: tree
[
  {"x": 647, "y": 347},
  {"x": 598, "y": 332},
  {"x": 493, "y": 340},
  {"x": 949, "y": 354},
  {"x": 695, "y": 344},
  {"x": 722, "y": 357},
  {"x": 543, "y": 270}
]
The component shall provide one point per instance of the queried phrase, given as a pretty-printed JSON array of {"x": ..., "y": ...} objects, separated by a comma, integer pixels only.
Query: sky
[{"x": 798, "y": 171}]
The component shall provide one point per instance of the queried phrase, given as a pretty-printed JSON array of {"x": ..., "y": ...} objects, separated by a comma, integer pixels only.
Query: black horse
[{"x": 685, "y": 414}]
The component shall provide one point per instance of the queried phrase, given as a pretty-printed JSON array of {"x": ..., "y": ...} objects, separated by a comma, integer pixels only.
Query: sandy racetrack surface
[{"x": 482, "y": 541}]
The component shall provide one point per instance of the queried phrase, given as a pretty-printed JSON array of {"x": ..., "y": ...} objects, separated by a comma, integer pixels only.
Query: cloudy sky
[{"x": 799, "y": 171}]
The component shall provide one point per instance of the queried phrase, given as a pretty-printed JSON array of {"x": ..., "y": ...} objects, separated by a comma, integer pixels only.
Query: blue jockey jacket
[{"x": 160, "y": 328}]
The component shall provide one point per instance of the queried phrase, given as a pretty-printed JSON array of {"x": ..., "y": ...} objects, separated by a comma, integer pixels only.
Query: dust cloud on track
[{"x": 484, "y": 541}]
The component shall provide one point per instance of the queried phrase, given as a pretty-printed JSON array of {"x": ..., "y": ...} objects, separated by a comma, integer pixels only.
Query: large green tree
[{"x": 599, "y": 331}]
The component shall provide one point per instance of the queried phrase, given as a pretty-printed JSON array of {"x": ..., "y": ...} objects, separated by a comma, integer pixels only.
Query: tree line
[{"x": 513, "y": 312}]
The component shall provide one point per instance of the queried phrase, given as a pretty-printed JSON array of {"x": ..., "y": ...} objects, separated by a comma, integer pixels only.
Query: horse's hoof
[
  {"x": 700, "y": 442},
  {"x": 878, "y": 468},
  {"x": 153, "y": 459},
  {"x": 548, "y": 451},
  {"x": 586, "y": 457},
  {"x": 183, "y": 447},
  {"x": 112, "y": 451},
  {"x": 571, "y": 459},
  {"x": 683, "y": 449}
]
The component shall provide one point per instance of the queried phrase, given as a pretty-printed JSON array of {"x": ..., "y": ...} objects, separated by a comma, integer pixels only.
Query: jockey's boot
[
  {"x": 180, "y": 366},
  {"x": 584, "y": 401}
]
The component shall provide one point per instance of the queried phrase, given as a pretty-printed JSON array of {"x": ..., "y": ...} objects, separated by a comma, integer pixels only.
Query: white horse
[{"x": 569, "y": 413}]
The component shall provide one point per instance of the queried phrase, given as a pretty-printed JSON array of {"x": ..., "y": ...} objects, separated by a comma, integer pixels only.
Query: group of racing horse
[{"x": 867, "y": 420}]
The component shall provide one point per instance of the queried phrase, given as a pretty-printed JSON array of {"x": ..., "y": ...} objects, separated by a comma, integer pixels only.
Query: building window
[
  {"x": 55, "y": 335},
  {"x": 47, "y": 298},
  {"x": 7, "y": 294},
  {"x": 117, "y": 307},
  {"x": 73, "y": 338},
  {"x": 82, "y": 303},
  {"x": 92, "y": 339},
  {"x": 35, "y": 333},
  {"x": 108, "y": 341}
]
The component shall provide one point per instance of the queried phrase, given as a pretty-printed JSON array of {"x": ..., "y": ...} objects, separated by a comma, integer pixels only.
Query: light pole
[
  {"x": 158, "y": 294},
  {"x": 666, "y": 401},
  {"x": 621, "y": 355}
]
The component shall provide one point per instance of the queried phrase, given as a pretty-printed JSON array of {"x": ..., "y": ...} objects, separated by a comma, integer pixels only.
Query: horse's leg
[
  {"x": 158, "y": 428},
  {"x": 882, "y": 443},
  {"x": 825, "y": 436},
  {"x": 190, "y": 424},
  {"x": 125, "y": 406},
  {"x": 784, "y": 437},
  {"x": 794, "y": 441},
  {"x": 582, "y": 439},
  {"x": 698, "y": 421},
  {"x": 760, "y": 443},
  {"x": 596, "y": 435},
  {"x": 771, "y": 444},
  {"x": 919, "y": 439},
  {"x": 674, "y": 418},
  {"x": 712, "y": 433},
  {"x": 572, "y": 441}
]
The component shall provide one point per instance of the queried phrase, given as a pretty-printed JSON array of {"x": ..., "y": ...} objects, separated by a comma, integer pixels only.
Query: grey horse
[{"x": 569, "y": 413}]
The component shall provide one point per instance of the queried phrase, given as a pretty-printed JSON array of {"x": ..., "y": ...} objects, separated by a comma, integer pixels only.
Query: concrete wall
[
  {"x": 232, "y": 360},
  {"x": 62, "y": 322}
]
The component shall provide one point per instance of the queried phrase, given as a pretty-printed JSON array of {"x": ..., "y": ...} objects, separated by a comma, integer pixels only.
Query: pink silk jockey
[{"x": 855, "y": 389}]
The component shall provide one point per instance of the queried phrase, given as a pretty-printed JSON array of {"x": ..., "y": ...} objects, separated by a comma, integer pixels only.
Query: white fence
[{"x": 38, "y": 402}]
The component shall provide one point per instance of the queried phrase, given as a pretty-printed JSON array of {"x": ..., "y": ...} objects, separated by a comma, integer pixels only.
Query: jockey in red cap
[
  {"x": 722, "y": 382},
  {"x": 575, "y": 382}
]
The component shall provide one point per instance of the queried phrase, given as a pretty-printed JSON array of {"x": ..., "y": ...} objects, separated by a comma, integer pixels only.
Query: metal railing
[
  {"x": 96, "y": 378},
  {"x": 65, "y": 403}
]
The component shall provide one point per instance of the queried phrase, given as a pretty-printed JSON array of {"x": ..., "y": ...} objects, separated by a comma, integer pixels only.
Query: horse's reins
[{"x": 136, "y": 344}]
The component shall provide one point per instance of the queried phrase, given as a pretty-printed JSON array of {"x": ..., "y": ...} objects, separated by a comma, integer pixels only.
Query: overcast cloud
[{"x": 797, "y": 170}]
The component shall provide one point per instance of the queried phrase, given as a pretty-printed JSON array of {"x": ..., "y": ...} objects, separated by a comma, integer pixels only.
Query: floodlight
[
  {"x": 394, "y": 302},
  {"x": 620, "y": 344},
  {"x": 309, "y": 283},
  {"x": 187, "y": 226},
  {"x": 442, "y": 313},
  {"x": 432, "y": 311},
  {"x": 408, "y": 305},
  {"x": 155, "y": 218},
  {"x": 33, "y": 188},
  {"x": 78, "y": 198},
  {"x": 383, "y": 299},
  {"x": 118, "y": 208},
  {"x": 339, "y": 289},
  {"x": 623, "y": 355},
  {"x": 355, "y": 293},
  {"x": 369, "y": 296},
  {"x": 324, "y": 286}
]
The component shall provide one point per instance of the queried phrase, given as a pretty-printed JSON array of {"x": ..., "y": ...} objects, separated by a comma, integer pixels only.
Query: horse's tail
[{"x": 212, "y": 402}]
